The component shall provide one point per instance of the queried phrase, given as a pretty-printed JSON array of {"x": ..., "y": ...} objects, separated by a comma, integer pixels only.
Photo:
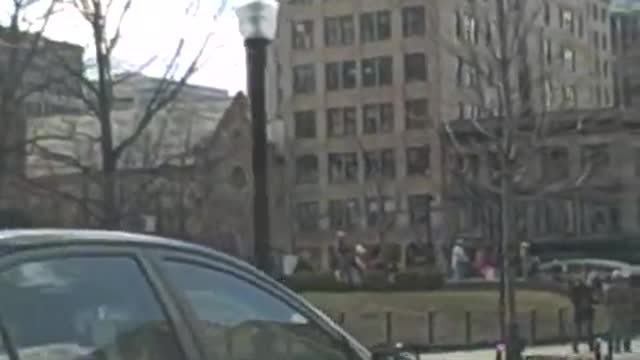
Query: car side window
[
  {"x": 243, "y": 322},
  {"x": 84, "y": 308}
]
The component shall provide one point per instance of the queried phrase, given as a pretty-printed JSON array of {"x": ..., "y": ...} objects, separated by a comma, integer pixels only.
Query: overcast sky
[{"x": 154, "y": 27}]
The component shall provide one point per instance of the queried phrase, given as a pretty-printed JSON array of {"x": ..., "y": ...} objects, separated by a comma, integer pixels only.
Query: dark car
[{"x": 83, "y": 294}]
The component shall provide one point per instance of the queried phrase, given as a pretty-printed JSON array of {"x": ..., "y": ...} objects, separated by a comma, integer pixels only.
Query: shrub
[{"x": 373, "y": 281}]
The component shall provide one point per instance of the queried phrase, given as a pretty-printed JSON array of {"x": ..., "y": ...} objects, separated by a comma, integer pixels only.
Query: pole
[
  {"x": 501, "y": 300},
  {"x": 257, "y": 63}
]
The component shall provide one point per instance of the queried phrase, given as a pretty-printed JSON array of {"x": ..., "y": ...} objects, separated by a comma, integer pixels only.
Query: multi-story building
[
  {"x": 625, "y": 32},
  {"x": 33, "y": 82},
  {"x": 364, "y": 85},
  {"x": 167, "y": 140}
]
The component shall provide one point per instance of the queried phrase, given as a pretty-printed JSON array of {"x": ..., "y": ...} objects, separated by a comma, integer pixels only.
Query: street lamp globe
[{"x": 258, "y": 19}]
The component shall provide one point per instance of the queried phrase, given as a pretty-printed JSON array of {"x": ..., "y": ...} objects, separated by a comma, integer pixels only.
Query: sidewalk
[{"x": 554, "y": 350}]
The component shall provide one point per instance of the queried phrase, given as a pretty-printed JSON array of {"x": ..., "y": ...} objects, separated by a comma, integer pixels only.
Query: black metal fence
[{"x": 463, "y": 328}]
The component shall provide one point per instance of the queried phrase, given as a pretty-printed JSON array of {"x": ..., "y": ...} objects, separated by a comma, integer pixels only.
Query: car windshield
[{"x": 74, "y": 308}]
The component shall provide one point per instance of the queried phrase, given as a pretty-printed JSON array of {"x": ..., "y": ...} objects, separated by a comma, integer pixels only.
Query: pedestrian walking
[
  {"x": 618, "y": 300},
  {"x": 581, "y": 296},
  {"x": 341, "y": 256},
  {"x": 459, "y": 260}
]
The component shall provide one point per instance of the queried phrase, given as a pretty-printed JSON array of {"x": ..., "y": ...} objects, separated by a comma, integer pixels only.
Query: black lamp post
[{"x": 258, "y": 27}]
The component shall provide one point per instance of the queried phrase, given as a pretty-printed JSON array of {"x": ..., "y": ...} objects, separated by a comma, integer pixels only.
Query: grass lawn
[{"x": 364, "y": 314}]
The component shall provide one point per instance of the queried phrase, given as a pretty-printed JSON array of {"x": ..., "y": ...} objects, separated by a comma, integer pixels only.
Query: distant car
[{"x": 84, "y": 294}]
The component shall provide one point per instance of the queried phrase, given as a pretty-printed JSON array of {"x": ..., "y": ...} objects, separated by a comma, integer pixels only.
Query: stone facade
[
  {"x": 581, "y": 182},
  {"x": 34, "y": 82},
  {"x": 363, "y": 87}
]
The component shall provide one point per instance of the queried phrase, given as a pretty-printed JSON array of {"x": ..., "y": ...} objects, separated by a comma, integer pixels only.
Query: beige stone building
[
  {"x": 33, "y": 82},
  {"x": 364, "y": 86}
]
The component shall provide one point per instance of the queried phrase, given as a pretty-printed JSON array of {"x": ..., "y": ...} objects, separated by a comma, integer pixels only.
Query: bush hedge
[{"x": 373, "y": 281}]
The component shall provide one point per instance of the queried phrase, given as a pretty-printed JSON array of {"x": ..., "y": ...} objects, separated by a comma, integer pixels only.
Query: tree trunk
[
  {"x": 507, "y": 243},
  {"x": 110, "y": 213}
]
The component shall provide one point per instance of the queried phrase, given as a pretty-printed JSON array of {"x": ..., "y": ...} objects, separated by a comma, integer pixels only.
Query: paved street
[{"x": 562, "y": 350}]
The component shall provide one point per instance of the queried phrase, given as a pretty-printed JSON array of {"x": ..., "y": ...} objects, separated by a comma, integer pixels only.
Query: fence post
[
  {"x": 533, "y": 325},
  {"x": 562, "y": 331},
  {"x": 389, "y": 327},
  {"x": 431, "y": 318},
  {"x": 467, "y": 322}
]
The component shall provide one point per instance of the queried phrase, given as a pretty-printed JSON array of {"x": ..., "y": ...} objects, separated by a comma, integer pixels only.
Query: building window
[
  {"x": 548, "y": 51},
  {"x": 419, "y": 209},
  {"x": 415, "y": 67},
  {"x": 580, "y": 26},
  {"x": 547, "y": 13},
  {"x": 595, "y": 39},
  {"x": 567, "y": 20},
  {"x": 305, "y": 124},
  {"x": 377, "y": 118},
  {"x": 375, "y": 26},
  {"x": 555, "y": 163},
  {"x": 569, "y": 59},
  {"x": 601, "y": 217},
  {"x": 417, "y": 114},
  {"x": 304, "y": 79},
  {"x": 605, "y": 42},
  {"x": 596, "y": 157},
  {"x": 413, "y": 21},
  {"x": 344, "y": 214},
  {"x": 307, "y": 169},
  {"x": 467, "y": 28},
  {"x": 341, "y": 122},
  {"x": 418, "y": 161},
  {"x": 381, "y": 163},
  {"x": 339, "y": 31},
  {"x": 605, "y": 69},
  {"x": 307, "y": 215},
  {"x": 340, "y": 75},
  {"x": 468, "y": 111},
  {"x": 343, "y": 167},
  {"x": 302, "y": 35},
  {"x": 466, "y": 74},
  {"x": 569, "y": 96},
  {"x": 377, "y": 71},
  {"x": 488, "y": 33},
  {"x": 381, "y": 212}
]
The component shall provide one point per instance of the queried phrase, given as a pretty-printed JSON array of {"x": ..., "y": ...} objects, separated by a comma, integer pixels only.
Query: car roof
[{"x": 19, "y": 239}]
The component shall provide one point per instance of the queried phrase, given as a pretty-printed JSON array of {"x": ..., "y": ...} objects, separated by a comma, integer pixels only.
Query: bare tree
[
  {"x": 116, "y": 132},
  {"x": 515, "y": 101}
]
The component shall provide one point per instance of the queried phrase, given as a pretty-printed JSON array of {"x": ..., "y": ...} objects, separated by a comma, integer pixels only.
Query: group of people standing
[
  {"x": 482, "y": 262},
  {"x": 348, "y": 263},
  {"x": 615, "y": 293}
]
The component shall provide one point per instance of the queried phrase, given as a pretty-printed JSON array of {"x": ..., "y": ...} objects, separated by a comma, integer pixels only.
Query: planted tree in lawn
[
  {"x": 113, "y": 132},
  {"x": 520, "y": 91}
]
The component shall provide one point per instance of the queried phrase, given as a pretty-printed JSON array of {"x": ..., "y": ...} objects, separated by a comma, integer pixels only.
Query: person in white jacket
[{"x": 459, "y": 260}]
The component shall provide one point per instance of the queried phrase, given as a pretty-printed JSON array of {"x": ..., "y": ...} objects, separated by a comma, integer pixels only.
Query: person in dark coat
[
  {"x": 618, "y": 300},
  {"x": 581, "y": 296}
]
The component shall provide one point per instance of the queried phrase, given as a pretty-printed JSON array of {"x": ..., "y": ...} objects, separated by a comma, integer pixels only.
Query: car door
[
  {"x": 87, "y": 302},
  {"x": 241, "y": 316}
]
